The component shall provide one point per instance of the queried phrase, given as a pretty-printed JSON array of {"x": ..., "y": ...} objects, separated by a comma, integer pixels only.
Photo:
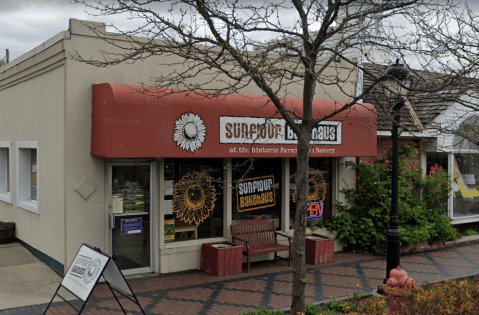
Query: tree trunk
[{"x": 299, "y": 240}]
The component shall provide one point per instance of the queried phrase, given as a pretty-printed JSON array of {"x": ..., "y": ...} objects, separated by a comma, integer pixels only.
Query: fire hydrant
[{"x": 399, "y": 280}]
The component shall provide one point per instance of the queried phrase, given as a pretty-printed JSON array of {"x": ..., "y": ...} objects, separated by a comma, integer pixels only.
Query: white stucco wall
[{"x": 32, "y": 109}]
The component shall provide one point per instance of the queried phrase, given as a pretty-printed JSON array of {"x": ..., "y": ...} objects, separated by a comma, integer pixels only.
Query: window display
[
  {"x": 319, "y": 195},
  {"x": 193, "y": 199},
  {"x": 465, "y": 186},
  {"x": 257, "y": 190},
  {"x": 436, "y": 161},
  {"x": 130, "y": 196}
]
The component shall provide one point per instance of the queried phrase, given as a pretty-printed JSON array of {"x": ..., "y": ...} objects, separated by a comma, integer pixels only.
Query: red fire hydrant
[{"x": 399, "y": 280}]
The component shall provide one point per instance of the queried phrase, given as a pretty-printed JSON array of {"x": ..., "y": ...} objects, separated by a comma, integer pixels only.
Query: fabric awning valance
[{"x": 131, "y": 122}]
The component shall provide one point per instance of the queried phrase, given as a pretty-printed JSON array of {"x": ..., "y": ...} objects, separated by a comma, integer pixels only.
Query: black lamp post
[{"x": 397, "y": 79}]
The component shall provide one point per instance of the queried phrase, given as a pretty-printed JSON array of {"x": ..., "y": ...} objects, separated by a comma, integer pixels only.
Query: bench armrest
[
  {"x": 290, "y": 239},
  {"x": 284, "y": 234},
  {"x": 241, "y": 240}
]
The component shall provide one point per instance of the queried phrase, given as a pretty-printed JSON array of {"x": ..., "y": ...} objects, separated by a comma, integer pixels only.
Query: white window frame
[
  {"x": 6, "y": 168},
  {"x": 24, "y": 171}
]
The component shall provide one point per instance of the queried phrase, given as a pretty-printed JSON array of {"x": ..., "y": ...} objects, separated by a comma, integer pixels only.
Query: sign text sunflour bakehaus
[{"x": 254, "y": 130}]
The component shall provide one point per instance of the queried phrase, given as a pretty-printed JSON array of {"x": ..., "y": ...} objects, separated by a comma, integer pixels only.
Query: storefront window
[
  {"x": 33, "y": 182},
  {"x": 257, "y": 190},
  {"x": 436, "y": 161},
  {"x": 466, "y": 186},
  {"x": 193, "y": 199},
  {"x": 319, "y": 195},
  {"x": 467, "y": 135}
]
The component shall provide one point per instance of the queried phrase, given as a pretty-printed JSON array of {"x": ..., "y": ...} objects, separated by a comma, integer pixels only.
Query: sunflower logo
[
  {"x": 194, "y": 198},
  {"x": 190, "y": 132},
  {"x": 91, "y": 271},
  {"x": 317, "y": 187}
]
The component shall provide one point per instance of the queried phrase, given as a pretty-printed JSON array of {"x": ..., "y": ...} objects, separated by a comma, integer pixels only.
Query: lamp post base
[{"x": 393, "y": 237}]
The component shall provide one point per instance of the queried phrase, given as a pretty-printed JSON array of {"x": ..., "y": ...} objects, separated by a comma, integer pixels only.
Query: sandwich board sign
[{"x": 83, "y": 274}]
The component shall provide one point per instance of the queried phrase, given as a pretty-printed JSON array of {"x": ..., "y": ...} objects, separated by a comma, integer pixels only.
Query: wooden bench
[{"x": 259, "y": 237}]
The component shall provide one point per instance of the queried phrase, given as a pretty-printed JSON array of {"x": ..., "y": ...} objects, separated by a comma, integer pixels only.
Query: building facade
[{"x": 87, "y": 156}]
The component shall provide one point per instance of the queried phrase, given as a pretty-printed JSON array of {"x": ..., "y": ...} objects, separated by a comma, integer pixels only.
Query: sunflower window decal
[
  {"x": 190, "y": 132},
  {"x": 194, "y": 198},
  {"x": 317, "y": 187}
]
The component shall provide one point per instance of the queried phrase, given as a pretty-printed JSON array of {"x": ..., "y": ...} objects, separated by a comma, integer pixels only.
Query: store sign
[
  {"x": 255, "y": 193},
  {"x": 253, "y": 130},
  {"x": 315, "y": 209},
  {"x": 84, "y": 272},
  {"x": 131, "y": 226}
]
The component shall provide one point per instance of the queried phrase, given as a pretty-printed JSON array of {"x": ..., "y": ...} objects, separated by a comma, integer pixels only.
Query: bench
[{"x": 259, "y": 237}]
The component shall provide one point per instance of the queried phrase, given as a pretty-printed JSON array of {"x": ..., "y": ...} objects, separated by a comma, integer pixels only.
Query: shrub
[
  {"x": 362, "y": 225},
  {"x": 313, "y": 309},
  {"x": 470, "y": 232},
  {"x": 340, "y": 306}
]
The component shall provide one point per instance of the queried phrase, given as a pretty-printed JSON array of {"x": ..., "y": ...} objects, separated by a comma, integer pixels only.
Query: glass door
[{"x": 130, "y": 217}]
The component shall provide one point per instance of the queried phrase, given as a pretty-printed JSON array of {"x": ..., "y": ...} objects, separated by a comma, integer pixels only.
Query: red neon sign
[{"x": 315, "y": 209}]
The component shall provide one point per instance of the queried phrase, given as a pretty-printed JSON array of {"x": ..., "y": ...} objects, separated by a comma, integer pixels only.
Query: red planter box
[
  {"x": 319, "y": 249},
  {"x": 221, "y": 259}
]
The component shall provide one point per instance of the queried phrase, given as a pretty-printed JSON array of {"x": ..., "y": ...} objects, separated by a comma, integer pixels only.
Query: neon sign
[{"x": 315, "y": 209}]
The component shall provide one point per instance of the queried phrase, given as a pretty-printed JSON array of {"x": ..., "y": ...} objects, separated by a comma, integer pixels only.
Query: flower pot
[{"x": 7, "y": 232}]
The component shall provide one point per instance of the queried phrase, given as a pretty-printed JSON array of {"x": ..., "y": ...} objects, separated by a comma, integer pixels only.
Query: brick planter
[
  {"x": 222, "y": 258},
  {"x": 319, "y": 249}
]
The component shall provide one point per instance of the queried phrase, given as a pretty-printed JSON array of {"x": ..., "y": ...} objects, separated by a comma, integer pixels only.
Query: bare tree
[{"x": 272, "y": 45}]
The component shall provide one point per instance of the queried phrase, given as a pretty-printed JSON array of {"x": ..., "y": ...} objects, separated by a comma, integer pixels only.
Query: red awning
[{"x": 130, "y": 122}]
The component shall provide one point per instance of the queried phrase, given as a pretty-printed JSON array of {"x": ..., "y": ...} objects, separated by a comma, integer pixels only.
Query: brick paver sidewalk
[{"x": 268, "y": 284}]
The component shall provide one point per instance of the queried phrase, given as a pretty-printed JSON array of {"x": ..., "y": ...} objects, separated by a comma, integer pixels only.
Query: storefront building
[
  {"x": 88, "y": 157},
  {"x": 443, "y": 135},
  {"x": 457, "y": 153},
  {"x": 214, "y": 162}
]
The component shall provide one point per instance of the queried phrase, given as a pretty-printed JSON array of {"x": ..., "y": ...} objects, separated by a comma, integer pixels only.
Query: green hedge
[{"x": 362, "y": 225}]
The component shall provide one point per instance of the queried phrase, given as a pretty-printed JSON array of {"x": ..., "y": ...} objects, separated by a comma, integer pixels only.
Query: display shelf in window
[{"x": 169, "y": 230}]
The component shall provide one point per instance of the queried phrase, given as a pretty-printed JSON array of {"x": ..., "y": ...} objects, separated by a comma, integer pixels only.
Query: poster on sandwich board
[{"x": 84, "y": 272}]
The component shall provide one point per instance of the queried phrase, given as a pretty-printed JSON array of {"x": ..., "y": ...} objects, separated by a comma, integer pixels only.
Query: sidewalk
[
  {"x": 268, "y": 284},
  {"x": 24, "y": 279}
]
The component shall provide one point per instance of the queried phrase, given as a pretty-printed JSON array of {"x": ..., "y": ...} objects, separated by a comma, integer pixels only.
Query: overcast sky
[{"x": 25, "y": 24}]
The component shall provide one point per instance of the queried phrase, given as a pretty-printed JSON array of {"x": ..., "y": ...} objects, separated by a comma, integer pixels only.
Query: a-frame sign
[{"x": 83, "y": 275}]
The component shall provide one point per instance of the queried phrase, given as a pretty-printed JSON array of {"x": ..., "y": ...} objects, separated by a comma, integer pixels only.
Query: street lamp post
[{"x": 397, "y": 76}]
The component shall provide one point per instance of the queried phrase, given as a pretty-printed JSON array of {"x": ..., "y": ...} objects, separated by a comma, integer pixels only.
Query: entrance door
[{"x": 130, "y": 215}]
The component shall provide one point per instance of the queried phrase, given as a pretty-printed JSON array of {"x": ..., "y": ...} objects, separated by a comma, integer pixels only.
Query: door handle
[{"x": 112, "y": 221}]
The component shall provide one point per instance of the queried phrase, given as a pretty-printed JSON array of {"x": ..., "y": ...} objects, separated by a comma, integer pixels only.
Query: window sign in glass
[
  {"x": 193, "y": 205},
  {"x": 319, "y": 194},
  {"x": 257, "y": 189},
  {"x": 255, "y": 193}
]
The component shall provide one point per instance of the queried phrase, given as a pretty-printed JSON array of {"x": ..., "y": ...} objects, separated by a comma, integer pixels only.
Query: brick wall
[{"x": 384, "y": 151}]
